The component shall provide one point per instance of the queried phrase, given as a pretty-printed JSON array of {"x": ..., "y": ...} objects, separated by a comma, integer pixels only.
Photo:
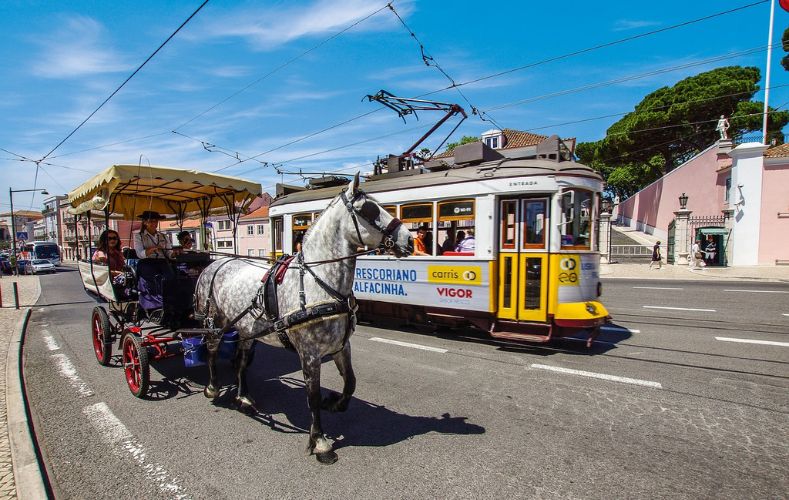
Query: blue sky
[{"x": 241, "y": 76}]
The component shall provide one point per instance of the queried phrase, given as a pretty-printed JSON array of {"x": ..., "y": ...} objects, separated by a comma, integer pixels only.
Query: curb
[{"x": 27, "y": 472}]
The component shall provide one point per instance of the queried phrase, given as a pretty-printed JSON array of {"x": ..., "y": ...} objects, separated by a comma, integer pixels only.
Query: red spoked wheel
[
  {"x": 101, "y": 332},
  {"x": 135, "y": 364}
]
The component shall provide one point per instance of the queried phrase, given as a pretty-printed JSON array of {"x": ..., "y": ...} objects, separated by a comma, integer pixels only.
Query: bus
[
  {"x": 533, "y": 272},
  {"x": 44, "y": 250}
]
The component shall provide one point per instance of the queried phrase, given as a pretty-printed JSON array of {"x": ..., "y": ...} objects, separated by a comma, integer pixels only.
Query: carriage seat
[{"x": 160, "y": 286}]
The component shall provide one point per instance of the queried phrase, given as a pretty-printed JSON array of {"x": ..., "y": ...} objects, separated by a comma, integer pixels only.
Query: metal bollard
[
  {"x": 1, "y": 295},
  {"x": 16, "y": 295}
]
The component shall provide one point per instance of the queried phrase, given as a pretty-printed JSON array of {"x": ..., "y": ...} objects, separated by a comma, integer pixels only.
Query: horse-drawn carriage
[
  {"x": 304, "y": 303},
  {"x": 148, "y": 309}
]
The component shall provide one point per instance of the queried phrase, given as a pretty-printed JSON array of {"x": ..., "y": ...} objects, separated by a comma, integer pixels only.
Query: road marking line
[
  {"x": 602, "y": 376},
  {"x": 51, "y": 344},
  {"x": 123, "y": 442},
  {"x": 619, "y": 329},
  {"x": 68, "y": 372},
  {"x": 408, "y": 344},
  {"x": 679, "y": 308},
  {"x": 757, "y": 291},
  {"x": 786, "y": 314},
  {"x": 658, "y": 288},
  {"x": 750, "y": 341}
]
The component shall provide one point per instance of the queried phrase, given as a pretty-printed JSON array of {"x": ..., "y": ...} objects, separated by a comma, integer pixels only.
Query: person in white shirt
[
  {"x": 467, "y": 243},
  {"x": 149, "y": 242}
]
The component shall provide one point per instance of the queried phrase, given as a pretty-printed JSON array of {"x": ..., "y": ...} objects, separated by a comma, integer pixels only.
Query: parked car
[{"x": 37, "y": 266}]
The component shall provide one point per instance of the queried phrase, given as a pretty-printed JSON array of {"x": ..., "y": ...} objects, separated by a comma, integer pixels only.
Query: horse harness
[{"x": 266, "y": 297}]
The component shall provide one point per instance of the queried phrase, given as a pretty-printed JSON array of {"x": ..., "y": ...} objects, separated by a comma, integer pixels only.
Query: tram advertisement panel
[
  {"x": 453, "y": 285},
  {"x": 576, "y": 276}
]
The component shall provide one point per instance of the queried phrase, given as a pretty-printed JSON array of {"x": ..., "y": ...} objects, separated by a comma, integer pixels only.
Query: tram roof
[{"x": 499, "y": 169}]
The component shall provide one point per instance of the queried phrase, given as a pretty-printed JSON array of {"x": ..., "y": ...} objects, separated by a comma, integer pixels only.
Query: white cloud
[
  {"x": 78, "y": 49},
  {"x": 632, "y": 24},
  {"x": 263, "y": 28}
]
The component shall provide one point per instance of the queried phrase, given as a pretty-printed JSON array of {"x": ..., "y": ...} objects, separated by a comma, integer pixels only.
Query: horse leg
[
  {"x": 335, "y": 402},
  {"x": 211, "y": 391},
  {"x": 243, "y": 357},
  {"x": 317, "y": 444}
]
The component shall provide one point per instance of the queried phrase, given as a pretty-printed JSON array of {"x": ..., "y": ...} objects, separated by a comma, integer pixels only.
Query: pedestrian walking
[
  {"x": 656, "y": 257},
  {"x": 696, "y": 255}
]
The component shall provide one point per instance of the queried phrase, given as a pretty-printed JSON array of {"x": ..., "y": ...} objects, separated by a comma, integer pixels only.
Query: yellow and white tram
[{"x": 533, "y": 272}]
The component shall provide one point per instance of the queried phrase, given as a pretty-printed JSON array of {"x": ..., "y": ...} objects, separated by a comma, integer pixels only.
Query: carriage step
[{"x": 524, "y": 332}]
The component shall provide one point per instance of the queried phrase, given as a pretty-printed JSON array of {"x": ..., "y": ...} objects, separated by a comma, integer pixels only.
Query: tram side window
[
  {"x": 277, "y": 235},
  {"x": 455, "y": 228},
  {"x": 576, "y": 224},
  {"x": 417, "y": 216},
  {"x": 301, "y": 223}
]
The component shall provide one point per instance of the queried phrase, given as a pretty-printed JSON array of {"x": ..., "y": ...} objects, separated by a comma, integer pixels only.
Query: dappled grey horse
[{"x": 315, "y": 302}]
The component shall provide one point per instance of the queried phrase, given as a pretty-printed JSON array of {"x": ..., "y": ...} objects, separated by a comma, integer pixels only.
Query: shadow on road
[{"x": 281, "y": 401}]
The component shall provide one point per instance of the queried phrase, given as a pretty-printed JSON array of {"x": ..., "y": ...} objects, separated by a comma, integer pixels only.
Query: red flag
[{"x": 784, "y": 4}]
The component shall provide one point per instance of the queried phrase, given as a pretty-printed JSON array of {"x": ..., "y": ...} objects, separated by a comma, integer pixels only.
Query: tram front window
[{"x": 576, "y": 224}]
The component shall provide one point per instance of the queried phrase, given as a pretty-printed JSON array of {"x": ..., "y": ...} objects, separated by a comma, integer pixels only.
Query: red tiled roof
[
  {"x": 260, "y": 213},
  {"x": 515, "y": 139},
  {"x": 781, "y": 151},
  {"x": 173, "y": 224}
]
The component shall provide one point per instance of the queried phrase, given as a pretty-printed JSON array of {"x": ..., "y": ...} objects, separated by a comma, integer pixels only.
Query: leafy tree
[
  {"x": 785, "y": 43},
  {"x": 672, "y": 124},
  {"x": 463, "y": 140}
]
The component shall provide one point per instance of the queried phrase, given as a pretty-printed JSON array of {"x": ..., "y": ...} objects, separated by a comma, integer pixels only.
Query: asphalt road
[{"x": 659, "y": 407}]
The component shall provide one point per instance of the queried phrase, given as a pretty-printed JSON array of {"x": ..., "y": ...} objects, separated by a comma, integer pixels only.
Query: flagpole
[{"x": 767, "y": 77}]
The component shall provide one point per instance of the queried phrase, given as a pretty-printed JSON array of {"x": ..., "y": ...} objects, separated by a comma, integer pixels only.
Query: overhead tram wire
[
  {"x": 127, "y": 80},
  {"x": 111, "y": 144},
  {"x": 597, "y": 47},
  {"x": 281, "y": 66},
  {"x": 629, "y": 78},
  {"x": 431, "y": 61}
]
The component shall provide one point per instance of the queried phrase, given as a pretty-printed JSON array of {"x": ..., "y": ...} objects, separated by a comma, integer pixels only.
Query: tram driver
[{"x": 149, "y": 242}]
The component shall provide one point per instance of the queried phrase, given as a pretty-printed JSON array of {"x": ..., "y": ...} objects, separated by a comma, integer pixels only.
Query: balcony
[{"x": 69, "y": 238}]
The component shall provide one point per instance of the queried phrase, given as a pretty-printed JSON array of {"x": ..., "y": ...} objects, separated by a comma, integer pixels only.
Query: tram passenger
[
  {"x": 420, "y": 248},
  {"x": 109, "y": 252},
  {"x": 449, "y": 243},
  {"x": 149, "y": 242},
  {"x": 467, "y": 244}
]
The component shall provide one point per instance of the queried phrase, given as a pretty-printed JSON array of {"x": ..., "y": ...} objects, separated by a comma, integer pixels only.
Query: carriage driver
[{"x": 149, "y": 242}]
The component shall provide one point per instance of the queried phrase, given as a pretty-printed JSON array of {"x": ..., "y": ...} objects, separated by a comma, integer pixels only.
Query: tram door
[{"x": 523, "y": 259}]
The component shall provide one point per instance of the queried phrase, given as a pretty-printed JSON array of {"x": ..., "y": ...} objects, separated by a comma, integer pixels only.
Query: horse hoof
[
  {"x": 326, "y": 458},
  {"x": 245, "y": 404},
  {"x": 210, "y": 392}
]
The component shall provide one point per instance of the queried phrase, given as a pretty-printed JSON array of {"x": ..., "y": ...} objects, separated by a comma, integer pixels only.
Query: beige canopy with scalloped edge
[{"x": 131, "y": 189}]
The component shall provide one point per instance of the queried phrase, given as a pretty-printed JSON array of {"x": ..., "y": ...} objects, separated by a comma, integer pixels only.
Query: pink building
[
  {"x": 254, "y": 233},
  {"x": 738, "y": 197}
]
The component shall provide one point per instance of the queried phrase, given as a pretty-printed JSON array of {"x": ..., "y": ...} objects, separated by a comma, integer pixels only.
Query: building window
[
  {"x": 250, "y": 253},
  {"x": 727, "y": 192},
  {"x": 224, "y": 244},
  {"x": 261, "y": 253},
  {"x": 250, "y": 230},
  {"x": 261, "y": 228},
  {"x": 492, "y": 142},
  {"x": 224, "y": 225}
]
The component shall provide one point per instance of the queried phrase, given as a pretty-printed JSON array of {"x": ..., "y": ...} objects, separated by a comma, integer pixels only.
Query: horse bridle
[{"x": 366, "y": 215}]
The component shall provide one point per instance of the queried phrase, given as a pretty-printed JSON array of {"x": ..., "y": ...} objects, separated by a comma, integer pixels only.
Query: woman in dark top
[
  {"x": 656, "y": 257},
  {"x": 109, "y": 252}
]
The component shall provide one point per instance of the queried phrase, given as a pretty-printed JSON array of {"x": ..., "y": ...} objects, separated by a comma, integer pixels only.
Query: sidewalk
[
  {"x": 20, "y": 476},
  {"x": 642, "y": 271}
]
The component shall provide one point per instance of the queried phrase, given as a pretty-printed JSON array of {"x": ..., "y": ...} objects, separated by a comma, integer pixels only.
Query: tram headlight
[
  {"x": 599, "y": 288},
  {"x": 591, "y": 308}
]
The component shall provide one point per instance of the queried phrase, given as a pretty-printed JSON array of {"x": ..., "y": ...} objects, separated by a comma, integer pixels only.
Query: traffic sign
[{"x": 21, "y": 235}]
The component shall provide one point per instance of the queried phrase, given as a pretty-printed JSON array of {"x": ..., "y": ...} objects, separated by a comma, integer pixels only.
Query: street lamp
[
  {"x": 683, "y": 201},
  {"x": 13, "y": 223}
]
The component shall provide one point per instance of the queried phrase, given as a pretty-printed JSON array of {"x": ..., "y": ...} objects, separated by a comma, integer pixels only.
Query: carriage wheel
[
  {"x": 101, "y": 331},
  {"x": 135, "y": 364}
]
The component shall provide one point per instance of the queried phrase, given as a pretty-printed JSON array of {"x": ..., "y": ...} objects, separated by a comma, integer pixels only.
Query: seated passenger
[
  {"x": 149, "y": 242},
  {"x": 450, "y": 243},
  {"x": 420, "y": 247},
  {"x": 109, "y": 252},
  {"x": 185, "y": 240},
  {"x": 467, "y": 244}
]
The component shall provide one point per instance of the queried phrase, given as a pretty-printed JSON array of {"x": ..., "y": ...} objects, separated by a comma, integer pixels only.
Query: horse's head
[{"x": 374, "y": 226}]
